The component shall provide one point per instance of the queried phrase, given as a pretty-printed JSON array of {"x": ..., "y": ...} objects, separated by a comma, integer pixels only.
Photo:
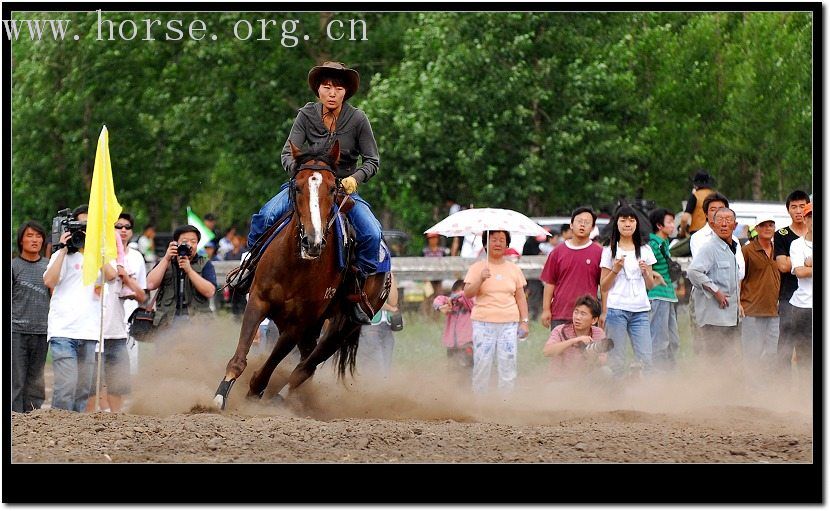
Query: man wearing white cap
[{"x": 759, "y": 303}]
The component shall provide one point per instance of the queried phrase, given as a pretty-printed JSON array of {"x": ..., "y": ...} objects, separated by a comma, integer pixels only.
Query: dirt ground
[{"x": 419, "y": 416}]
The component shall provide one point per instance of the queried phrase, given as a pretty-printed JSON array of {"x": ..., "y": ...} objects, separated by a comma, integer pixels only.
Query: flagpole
[{"x": 103, "y": 290}]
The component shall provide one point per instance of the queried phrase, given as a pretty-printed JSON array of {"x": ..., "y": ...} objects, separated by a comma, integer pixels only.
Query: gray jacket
[
  {"x": 715, "y": 267},
  {"x": 352, "y": 130}
]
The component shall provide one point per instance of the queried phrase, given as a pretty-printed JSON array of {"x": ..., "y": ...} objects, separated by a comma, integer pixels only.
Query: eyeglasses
[
  {"x": 123, "y": 226},
  {"x": 582, "y": 223}
]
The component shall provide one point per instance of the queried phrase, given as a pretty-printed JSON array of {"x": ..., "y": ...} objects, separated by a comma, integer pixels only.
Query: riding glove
[{"x": 350, "y": 185}]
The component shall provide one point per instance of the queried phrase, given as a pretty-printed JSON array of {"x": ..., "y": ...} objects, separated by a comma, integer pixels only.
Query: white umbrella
[{"x": 478, "y": 220}]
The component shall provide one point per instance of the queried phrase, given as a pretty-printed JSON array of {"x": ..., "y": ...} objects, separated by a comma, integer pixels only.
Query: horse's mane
[{"x": 319, "y": 155}]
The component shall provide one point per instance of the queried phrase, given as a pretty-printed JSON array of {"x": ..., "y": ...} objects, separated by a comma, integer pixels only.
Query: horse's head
[{"x": 313, "y": 190}]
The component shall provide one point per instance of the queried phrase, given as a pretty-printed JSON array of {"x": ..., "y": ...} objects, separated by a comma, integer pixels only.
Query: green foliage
[{"x": 538, "y": 112}]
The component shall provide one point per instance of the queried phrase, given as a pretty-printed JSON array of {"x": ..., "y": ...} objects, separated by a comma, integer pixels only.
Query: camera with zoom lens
[
  {"x": 600, "y": 346},
  {"x": 183, "y": 250},
  {"x": 64, "y": 223}
]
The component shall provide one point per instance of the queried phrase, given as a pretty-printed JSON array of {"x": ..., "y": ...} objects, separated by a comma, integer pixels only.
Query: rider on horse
[{"x": 317, "y": 126}]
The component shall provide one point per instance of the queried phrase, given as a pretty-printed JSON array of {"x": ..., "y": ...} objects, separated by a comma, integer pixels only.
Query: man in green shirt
[{"x": 665, "y": 341}]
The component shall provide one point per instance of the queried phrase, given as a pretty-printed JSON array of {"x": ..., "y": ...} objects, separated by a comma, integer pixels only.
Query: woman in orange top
[{"x": 499, "y": 315}]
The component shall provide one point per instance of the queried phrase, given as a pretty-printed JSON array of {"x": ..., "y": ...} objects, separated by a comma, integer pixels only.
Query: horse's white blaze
[{"x": 314, "y": 183}]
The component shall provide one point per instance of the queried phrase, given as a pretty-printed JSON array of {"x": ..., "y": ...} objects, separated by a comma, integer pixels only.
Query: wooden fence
[{"x": 433, "y": 268}]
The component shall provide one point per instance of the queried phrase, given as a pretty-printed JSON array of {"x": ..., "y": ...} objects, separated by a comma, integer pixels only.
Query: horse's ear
[
  {"x": 295, "y": 151},
  {"x": 334, "y": 153}
]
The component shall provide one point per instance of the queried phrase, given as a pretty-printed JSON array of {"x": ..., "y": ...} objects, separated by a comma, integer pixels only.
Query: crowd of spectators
[{"x": 750, "y": 303}]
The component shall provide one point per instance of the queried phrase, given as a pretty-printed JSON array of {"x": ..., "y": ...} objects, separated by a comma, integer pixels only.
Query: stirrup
[
  {"x": 359, "y": 299},
  {"x": 239, "y": 279},
  {"x": 359, "y": 316}
]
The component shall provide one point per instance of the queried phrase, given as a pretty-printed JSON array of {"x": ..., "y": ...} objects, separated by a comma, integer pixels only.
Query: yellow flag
[{"x": 103, "y": 213}]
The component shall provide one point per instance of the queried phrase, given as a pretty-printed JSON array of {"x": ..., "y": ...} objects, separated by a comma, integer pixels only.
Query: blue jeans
[
  {"x": 665, "y": 341},
  {"x": 73, "y": 364},
  {"x": 367, "y": 228},
  {"x": 116, "y": 364},
  {"x": 618, "y": 324}
]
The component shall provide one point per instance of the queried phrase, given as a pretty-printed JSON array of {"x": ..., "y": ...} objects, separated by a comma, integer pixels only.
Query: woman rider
[{"x": 316, "y": 127}]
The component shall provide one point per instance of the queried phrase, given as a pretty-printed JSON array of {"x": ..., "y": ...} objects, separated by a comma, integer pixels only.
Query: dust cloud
[{"x": 187, "y": 363}]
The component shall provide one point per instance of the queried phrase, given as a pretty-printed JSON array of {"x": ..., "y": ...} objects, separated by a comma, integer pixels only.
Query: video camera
[{"x": 64, "y": 223}]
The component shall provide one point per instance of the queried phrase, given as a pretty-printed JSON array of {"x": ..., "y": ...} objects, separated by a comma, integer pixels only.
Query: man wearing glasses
[
  {"x": 571, "y": 270},
  {"x": 122, "y": 296},
  {"x": 715, "y": 275}
]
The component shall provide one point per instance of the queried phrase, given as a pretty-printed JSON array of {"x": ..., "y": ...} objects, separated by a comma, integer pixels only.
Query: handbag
[
  {"x": 675, "y": 271},
  {"x": 141, "y": 321},
  {"x": 396, "y": 321}
]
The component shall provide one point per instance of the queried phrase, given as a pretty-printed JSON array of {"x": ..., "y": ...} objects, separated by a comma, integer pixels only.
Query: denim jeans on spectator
[
  {"x": 367, "y": 228},
  {"x": 618, "y": 324},
  {"x": 665, "y": 341},
  {"x": 28, "y": 361},
  {"x": 73, "y": 363},
  {"x": 116, "y": 364}
]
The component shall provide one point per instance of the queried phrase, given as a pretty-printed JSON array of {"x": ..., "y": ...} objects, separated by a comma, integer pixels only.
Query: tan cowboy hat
[{"x": 348, "y": 75}]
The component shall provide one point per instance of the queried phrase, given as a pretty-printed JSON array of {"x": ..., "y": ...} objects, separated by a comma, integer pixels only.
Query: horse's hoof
[
  {"x": 278, "y": 400},
  {"x": 255, "y": 396},
  {"x": 221, "y": 397}
]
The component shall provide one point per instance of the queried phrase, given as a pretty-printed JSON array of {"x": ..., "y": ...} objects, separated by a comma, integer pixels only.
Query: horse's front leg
[{"x": 255, "y": 312}]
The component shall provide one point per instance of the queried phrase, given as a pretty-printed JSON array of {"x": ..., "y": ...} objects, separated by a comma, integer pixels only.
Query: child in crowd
[
  {"x": 458, "y": 331},
  {"x": 567, "y": 342}
]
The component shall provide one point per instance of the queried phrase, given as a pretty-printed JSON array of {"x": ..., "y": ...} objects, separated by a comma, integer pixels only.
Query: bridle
[{"x": 292, "y": 191}]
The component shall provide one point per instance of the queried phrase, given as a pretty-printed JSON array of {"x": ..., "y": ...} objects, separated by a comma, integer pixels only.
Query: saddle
[{"x": 240, "y": 278}]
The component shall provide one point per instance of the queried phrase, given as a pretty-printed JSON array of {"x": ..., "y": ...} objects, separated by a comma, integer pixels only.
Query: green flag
[{"x": 194, "y": 220}]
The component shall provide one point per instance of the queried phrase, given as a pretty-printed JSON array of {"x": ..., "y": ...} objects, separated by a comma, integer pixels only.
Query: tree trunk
[
  {"x": 780, "y": 170},
  {"x": 86, "y": 168},
  {"x": 757, "y": 181}
]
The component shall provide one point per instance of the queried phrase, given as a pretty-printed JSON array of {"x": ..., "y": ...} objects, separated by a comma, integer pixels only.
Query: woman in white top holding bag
[{"x": 625, "y": 279}]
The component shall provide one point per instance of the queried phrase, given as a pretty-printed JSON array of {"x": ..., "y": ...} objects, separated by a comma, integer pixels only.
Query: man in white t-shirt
[
  {"x": 74, "y": 321},
  {"x": 128, "y": 288},
  {"x": 801, "y": 257},
  {"x": 136, "y": 268}
]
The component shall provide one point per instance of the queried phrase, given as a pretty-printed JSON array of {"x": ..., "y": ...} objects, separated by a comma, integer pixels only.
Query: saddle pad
[{"x": 384, "y": 254}]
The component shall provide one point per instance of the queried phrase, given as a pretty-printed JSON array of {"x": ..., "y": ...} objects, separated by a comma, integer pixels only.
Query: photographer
[
  {"x": 74, "y": 314},
  {"x": 186, "y": 281},
  {"x": 568, "y": 343}
]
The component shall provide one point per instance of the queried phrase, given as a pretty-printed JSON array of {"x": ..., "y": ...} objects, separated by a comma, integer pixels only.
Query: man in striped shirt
[{"x": 665, "y": 341}]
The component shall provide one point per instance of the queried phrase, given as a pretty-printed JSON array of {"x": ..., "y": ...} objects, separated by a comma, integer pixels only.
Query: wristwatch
[{"x": 526, "y": 320}]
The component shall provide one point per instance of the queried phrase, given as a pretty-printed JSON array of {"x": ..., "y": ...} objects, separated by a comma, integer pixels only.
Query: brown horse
[{"x": 299, "y": 286}]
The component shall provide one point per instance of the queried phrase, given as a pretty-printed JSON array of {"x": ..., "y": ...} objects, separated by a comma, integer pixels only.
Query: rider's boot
[
  {"x": 366, "y": 287},
  {"x": 239, "y": 279}
]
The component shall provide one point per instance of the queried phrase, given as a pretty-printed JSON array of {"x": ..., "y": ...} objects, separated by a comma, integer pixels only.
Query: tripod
[{"x": 180, "y": 307}]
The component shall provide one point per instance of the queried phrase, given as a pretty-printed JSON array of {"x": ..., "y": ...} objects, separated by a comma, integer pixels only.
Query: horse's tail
[{"x": 347, "y": 354}]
